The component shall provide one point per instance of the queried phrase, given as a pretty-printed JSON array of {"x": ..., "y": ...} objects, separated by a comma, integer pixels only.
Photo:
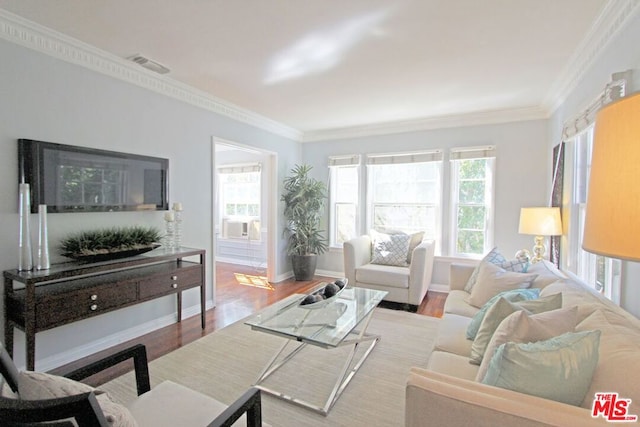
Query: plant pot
[{"x": 304, "y": 266}]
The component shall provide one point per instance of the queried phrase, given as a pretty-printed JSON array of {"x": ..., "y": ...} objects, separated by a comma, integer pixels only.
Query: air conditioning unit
[{"x": 235, "y": 229}]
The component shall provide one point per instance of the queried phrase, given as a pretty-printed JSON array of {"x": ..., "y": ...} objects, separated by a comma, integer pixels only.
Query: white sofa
[
  {"x": 407, "y": 285},
  {"x": 447, "y": 392}
]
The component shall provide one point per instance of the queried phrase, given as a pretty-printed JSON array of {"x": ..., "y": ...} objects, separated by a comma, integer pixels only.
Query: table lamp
[
  {"x": 612, "y": 223},
  {"x": 540, "y": 222}
]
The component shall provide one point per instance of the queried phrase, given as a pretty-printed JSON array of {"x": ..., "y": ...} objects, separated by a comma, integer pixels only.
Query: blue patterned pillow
[
  {"x": 559, "y": 369},
  {"x": 513, "y": 295},
  {"x": 390, "y": 249}
]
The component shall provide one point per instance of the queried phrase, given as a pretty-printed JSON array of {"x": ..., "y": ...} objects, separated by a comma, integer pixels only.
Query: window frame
[
  {"x": 458, "y": 155},
  {"x": 335, "y": 163}
]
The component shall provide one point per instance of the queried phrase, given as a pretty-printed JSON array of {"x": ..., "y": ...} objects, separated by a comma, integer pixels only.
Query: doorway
[{"x": 244, "y": 207}]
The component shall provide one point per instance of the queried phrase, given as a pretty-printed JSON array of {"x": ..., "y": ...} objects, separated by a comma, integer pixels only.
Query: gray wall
[
  {"x": 48, "y": 99},
  {"x": 522, "y": 173}
]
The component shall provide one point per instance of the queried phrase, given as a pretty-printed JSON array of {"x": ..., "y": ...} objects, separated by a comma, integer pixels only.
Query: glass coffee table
[{"x": 342, "y": 322}]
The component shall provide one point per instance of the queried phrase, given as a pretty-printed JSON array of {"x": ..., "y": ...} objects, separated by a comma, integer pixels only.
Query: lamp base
[{"x": 538, "y": 249}]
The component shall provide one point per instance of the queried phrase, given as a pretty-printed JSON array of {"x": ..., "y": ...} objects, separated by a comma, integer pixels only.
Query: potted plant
[{"x": 304, "y": 198}]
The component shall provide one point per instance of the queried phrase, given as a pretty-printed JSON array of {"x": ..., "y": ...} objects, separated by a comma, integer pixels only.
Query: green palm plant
[{"x": 304, "y": 200}]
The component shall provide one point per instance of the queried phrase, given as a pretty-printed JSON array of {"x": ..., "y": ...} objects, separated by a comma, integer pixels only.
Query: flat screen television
[{"x": 68, "y": 178}]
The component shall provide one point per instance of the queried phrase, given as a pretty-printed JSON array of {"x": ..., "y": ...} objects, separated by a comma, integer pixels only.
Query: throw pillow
[
  {"x": 494, "y": 257},
  {"x": 416, "y": 239},
  {"x": 492, "y": 280},
  {"x": 389, "y": 249},
  {"x": 618, "y": 362},
  {"x": 513, "y": 295},
  {"x": 499, "y": 311},
  {"x": 520, "y": 327},
  {"x": 38, "y": 386},
  {"x": 559, "y": 369},
  {"x": 547, "y": 274}
]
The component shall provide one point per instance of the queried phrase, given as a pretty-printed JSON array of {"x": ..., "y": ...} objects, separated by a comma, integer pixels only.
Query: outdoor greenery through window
[{"x": 472, "y": 190}]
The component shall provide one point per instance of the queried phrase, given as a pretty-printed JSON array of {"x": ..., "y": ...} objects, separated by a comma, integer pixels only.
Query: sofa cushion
[
  {"x": 492, "y": 280},
  {"x": 451, "y": 335},
  {"x": 618, "y": 369},
  {"x": 499, "y": 311},
  {"x": 39, "y": 386},
  {"x": 513, "y": 295},
  {"x": 452, "y": 364},
  {"x": 456, "y": 303},
  {"x": 521, "y": 327},
  {"x": 387, "y": 275},
  {"x": 389, "y": 249},
  {"x": 559, "y": 369}
]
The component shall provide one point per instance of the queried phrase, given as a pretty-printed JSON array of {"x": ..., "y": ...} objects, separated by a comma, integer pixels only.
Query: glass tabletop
[{"x": 327, "y": 326}]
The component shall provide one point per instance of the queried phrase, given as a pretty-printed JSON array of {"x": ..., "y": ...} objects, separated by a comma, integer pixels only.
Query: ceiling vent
[{"x": 149, "y": 64}]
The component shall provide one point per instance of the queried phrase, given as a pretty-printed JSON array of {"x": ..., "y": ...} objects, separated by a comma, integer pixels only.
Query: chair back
[{"x": 8, "y": 369}]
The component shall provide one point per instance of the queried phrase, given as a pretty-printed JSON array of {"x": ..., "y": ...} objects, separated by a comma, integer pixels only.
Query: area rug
[{"x": 227, "y": 362}]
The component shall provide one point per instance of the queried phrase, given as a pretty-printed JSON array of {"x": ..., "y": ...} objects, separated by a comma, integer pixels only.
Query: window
[
  {"x": 239, "y": 200},
  {"x": 472, "y": 172},
  {"x": 343, "y": 199},
  {"x": 601, "y": 272},
  {"x": 404, "y": 193}
]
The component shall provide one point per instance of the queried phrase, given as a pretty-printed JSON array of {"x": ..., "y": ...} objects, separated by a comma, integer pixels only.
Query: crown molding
[
  {"x": 26, "y": 33},
  {"x": 34, "y": 36},
  {"x": 614, "y": 17},
  {"x": 430, "y": 123}
]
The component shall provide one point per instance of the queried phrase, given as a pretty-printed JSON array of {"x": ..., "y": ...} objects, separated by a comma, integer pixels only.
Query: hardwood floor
[{"x": 241, "y": 291}]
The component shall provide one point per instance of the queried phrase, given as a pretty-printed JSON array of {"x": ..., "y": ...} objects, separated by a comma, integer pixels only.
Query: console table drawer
[
  {"x": 170, "y": 282},
  {"x": 61, "y": 308}
]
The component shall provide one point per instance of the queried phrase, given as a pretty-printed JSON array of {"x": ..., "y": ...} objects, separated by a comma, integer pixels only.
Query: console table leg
[{"x": 179, "y": 295}]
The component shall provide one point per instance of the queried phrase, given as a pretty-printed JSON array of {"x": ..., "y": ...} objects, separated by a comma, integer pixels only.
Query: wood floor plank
[{"x": 241, "y": 291}]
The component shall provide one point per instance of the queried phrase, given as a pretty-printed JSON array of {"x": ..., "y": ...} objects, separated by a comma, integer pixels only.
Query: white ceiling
[{"x": 317, "y": 65}]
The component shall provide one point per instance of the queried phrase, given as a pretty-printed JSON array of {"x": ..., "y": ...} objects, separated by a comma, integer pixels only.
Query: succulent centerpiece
[{"x": 108, "y": 243}]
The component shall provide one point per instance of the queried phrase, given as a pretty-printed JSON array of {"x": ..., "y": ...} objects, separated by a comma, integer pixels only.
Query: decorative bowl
[
  {"x": 325, "y": 301},
  {"x": 109, "y": 255}
]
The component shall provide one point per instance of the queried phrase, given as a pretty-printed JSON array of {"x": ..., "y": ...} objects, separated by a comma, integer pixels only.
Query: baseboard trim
[{"x": 439, "y": 287}]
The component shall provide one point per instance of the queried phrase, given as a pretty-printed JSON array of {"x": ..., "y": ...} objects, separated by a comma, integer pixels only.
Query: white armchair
[{"x": 407, "y": 285}]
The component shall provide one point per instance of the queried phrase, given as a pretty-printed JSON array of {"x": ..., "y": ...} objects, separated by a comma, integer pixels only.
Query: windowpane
[
  {"x": 472, "y": 185},
  {"x": 470, "y": 242},
  {"x": 345, "y": 222},
  {"x": 415, "y": 182},
  {"x": 343, "y": 200},
  {"x": 405, "y": 218},
  {"x": 472, "y": 191},
  {"x": 240, "y": 194}
]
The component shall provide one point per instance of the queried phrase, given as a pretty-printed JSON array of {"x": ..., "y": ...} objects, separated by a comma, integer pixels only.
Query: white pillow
[
  {"x": 492, "y": 280},
  {"x": 521, "y": 327},
  {"x": 389, "y": 249},
  {"x": 493, "y": 257},
  {"x": 499, "y": 311}
]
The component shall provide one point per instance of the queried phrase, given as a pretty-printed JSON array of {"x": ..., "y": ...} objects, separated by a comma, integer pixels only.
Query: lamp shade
[
  {"x": 612, "y": 223},
  {"x": 540, "y": 221}
]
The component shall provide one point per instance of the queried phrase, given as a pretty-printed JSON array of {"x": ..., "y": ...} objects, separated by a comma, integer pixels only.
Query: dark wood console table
[{"x": 38, "y": 300}]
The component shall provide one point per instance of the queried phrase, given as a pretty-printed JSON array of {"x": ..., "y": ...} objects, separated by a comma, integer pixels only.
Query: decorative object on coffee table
[{"x": 110, "y": 243}]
